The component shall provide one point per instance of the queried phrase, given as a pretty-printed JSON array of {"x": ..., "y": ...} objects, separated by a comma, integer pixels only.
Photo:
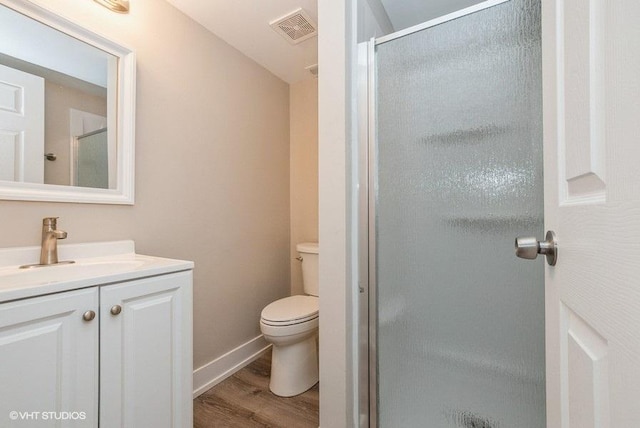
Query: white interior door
[
  {"x": 591, "y": 60},
  {"x": 21, "y": 126}
]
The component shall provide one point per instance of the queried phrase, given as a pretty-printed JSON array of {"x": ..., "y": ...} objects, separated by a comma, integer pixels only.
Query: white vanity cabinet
[
  {"x": 145, "y": 353},
  {"x": 49, "y": 360},
  {"x": 117, "y": 352}
]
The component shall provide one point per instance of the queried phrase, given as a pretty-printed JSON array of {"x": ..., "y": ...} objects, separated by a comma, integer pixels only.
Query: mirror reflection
[{"x": 57, "y": 107}]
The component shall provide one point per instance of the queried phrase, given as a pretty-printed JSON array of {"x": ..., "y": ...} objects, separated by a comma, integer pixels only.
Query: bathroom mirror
[{"x": 67, "y": 103}]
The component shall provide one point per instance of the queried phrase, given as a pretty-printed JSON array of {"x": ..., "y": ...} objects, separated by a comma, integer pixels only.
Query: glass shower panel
[
  {"x": 92, "y": 160},
  {"x": 458, "y": 167}
]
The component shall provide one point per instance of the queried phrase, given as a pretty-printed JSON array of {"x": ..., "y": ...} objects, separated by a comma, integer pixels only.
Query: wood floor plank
[{"x": 245, "y": 401}]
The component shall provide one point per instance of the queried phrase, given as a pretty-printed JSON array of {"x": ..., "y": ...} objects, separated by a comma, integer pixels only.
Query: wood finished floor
[{"x": 244, "y": 401}]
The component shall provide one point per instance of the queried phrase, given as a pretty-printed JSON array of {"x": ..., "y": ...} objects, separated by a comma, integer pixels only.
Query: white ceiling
[{"x": 244, "y": 24}]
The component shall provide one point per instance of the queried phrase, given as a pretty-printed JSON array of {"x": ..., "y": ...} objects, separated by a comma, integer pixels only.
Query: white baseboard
[{"x": 216, "y": 371}]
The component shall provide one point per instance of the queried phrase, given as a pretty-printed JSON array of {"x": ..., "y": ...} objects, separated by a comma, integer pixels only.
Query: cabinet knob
[
  {"x": 89, "y": 315},
  {"x": 115, "y": 310}
]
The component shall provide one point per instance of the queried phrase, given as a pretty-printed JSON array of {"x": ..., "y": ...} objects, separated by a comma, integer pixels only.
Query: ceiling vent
[{"x": 296, "y": 26}]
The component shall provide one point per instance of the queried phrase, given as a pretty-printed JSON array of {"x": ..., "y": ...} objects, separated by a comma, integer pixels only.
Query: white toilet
[{"x": 291, "y": 325}]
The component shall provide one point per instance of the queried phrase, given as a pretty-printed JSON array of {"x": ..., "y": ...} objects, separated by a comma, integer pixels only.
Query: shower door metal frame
[{"x": 367, "y": 183}]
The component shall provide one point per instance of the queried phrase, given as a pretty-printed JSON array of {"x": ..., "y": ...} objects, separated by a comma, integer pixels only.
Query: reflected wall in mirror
[{"x": 66, "y": 110}]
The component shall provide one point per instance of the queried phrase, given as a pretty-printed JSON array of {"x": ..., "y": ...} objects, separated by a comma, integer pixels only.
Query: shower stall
[
  {"x": 91, "y": 160},
  {"x": 453, "y": 159}
]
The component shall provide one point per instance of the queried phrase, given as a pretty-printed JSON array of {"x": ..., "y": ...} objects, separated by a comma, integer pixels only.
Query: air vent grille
[{"x": 295, "y": 27}]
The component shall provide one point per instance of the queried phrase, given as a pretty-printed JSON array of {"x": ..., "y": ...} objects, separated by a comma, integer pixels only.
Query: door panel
[
  {"x": 591, "y": 58},
  {"x": 581, "y": 92},
  {"x": 21, "y": 126},
  {"x": 145, "y": 377},
  {"x": 49, "y": 358}
]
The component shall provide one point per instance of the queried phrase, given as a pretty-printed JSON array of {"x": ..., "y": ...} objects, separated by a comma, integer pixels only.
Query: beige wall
[
  {"x": 303, "y": 114},
  {"x": 212, "y": 171}
]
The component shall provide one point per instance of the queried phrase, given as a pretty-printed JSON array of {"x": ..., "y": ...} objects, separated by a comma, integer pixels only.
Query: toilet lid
[{"x": 291, "y": 310}]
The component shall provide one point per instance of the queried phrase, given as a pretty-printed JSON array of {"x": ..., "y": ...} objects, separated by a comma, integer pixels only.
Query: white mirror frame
[{"x": 124, "y": 121}]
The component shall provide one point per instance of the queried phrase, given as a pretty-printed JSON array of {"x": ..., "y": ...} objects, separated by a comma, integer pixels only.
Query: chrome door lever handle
[{"x": 529, "y": 248}]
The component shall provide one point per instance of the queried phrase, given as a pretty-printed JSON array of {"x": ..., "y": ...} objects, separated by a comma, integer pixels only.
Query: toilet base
[{"x": 294, "y": 367}]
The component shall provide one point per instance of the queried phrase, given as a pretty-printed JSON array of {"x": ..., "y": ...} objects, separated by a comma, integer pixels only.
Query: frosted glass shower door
[
  {"x": 91, "y": 158},
  {"x": 457, "y": 161}
]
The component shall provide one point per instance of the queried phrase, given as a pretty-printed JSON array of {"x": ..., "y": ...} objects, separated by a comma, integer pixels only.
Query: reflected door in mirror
[{"x": 21, "y": 126}]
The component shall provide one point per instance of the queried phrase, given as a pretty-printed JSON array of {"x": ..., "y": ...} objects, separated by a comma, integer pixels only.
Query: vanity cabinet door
[
  {"x": 146, "y": 353},
  {"x": 49, "y": 360}
]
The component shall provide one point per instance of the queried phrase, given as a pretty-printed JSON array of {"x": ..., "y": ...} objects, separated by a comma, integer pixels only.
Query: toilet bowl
[{"x": 291, "y": 326}]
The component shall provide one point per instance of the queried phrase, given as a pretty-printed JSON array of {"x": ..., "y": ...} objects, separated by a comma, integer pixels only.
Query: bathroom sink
[
  {"x": 15, "y": 276},
  {"x": 94, "y": 264}
]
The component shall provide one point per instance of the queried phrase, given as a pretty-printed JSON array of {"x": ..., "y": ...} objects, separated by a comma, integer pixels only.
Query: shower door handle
[{"x": 530, "y": 247}]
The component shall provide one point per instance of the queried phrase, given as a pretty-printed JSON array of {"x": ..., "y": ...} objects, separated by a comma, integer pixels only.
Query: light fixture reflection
[{"x": 120, "y": 6}]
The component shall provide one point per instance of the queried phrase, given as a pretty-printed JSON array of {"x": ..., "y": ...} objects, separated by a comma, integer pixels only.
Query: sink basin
[
  {"x": 63, "y": 272},
  {"x": 15, "y": 277},
  {"x": 95, "y": 264}
]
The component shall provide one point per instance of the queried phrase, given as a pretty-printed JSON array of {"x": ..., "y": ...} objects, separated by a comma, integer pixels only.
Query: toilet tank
[{"x": 309, "y": 253}]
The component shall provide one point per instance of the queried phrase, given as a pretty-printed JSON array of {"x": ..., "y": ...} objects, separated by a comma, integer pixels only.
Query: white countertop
[{"x": 95, "y": 264}]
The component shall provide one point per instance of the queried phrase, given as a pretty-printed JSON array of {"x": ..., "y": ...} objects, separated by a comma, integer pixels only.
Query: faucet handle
[{"x": 50, "y": 222}]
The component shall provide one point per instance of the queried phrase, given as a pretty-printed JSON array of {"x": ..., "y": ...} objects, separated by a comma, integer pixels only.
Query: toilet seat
[
  {"x": 290, "y": 310},
  {"x": 274, "y": 332}
]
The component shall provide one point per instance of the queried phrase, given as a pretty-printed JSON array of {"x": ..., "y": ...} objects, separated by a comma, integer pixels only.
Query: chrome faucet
[{"x": 50, "y": 236}]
